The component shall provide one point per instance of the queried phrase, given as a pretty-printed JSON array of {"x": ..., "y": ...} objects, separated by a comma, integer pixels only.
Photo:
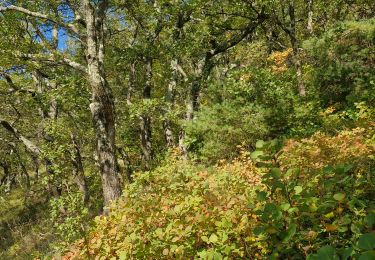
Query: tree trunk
[
  {"x": 102, "y": 106},
  {"x": 145, "y": 120},
  {"x": 310, "y": 17},
  {"x": 296, "y": 54},
  {"x": 78, "y": 171},
  {"x": 6, "y": 177},
  {"x": 169, "y": 138},
  {"x": 23, "y": 167},
  {"x": 192, "y": 106},
  {"x": 51, "y": 113},
  {"x": 36, "y": 165},
  {"x": 169, "y": 98},
  {"x": 131, "y": 84},
  {"x": 128, "y": 166}
]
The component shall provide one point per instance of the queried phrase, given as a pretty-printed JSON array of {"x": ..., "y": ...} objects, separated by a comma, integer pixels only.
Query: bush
[
  {"x": 313, "y": 198},
  {"x": 219, "y": 128},
  {"x": 179, "y": 211},
  {"x": 343, "y": 61},
  {"x": 319, "y": 196}
]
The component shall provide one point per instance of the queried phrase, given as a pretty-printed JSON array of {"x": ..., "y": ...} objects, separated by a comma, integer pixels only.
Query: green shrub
[
  {"x": 343, "y": 63},
  {"x": 218, "y": 129}
]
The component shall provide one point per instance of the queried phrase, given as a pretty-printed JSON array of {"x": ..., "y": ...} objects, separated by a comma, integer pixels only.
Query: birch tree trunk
[{"x": 102, "y": 106}]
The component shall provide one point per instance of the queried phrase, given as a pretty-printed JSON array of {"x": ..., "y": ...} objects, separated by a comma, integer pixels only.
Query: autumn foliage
[{"x": 246, "y": 208}]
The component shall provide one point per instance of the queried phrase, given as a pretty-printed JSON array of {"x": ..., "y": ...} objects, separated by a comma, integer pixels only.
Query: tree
[{"x": 88, "y": 28}]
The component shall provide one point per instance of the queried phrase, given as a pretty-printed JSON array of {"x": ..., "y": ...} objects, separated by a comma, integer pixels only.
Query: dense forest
[{"x": 187, "y": 129}]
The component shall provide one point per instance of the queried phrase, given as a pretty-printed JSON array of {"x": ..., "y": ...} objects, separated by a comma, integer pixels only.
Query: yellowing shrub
[
  {"x": 179, "y": 211},
  {"x": 347, "y": 147}
]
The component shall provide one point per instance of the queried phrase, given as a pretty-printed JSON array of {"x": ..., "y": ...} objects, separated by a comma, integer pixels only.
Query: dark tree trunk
[
  {"x": 23, "y": 168},
  {"x": 4, "y": 179},
  {"x": 78, "y": 171},
  {"x": 8, "y": 179},
  {"x": 128, "y": 165},
  {"x": 145, "y": 119},
  {"x": 131, "y": 84}
]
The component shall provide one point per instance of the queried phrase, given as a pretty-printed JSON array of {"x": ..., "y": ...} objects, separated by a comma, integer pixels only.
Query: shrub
[
  {"x": 313, "y": 198},
  {"x": 343, "y": 61},
  {"x": 179, "y": 211}
]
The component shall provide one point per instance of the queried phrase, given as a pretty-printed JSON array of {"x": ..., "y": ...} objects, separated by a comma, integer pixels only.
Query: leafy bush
[
  {"x": 179, "y": 211},
  {"x": 312, "y": 198},
  {"x": 322, "y": 194},
  {"x": 69, "y": 216},
  {"x": 343, "y": 61},
  {"x": 219, "y": 128}
]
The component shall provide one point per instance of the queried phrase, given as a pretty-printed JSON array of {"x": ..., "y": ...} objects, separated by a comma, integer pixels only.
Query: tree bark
[
  {"x": 131, "y": 84},
  {"x": 145, "y": 120},
  {"x": 128, "y": 166},
  {"x": 310, "y": 17},
  {"x": 102, "y": 106},
  {"x": 23, "y": 167},
  {"x": 51, "y": 113},
  {"x": 30, "y": 146},
  {"x": 78, "y": 171},
  {"x": 7, "y": 178},
  {"x": 296, "y": 52},
  {"x": 169, "y": 98}
]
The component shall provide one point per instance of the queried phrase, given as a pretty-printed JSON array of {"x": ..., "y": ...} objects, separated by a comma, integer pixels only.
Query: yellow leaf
[
  {"x": 330, "y": 228},
  {"x": 329, "y": 215},
  {"x": 165, "y": 251}
]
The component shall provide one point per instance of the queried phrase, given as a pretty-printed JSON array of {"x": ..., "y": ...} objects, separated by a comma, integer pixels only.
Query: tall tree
[{"x": 87, "y": 27}]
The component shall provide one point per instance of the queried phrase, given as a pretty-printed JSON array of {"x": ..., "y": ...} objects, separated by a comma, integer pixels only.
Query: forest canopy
[{"x": 187, "y": 129}]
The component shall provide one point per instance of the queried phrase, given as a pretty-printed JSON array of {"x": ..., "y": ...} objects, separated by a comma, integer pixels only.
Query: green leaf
[
  {"x": 276, "y": 173},
  {"x": 204, "y": 239},
  {"x": 261, "y": 195},
  {"x": 213, "y": 238},
  {"x": 369, "y": 255},
  {"x": 175, "y": 239},
  {"x": 339, "y": 196},
  {"x": 345, "y": 253},
  {"x": 217, "y": 256},
  {"x": 270, "y": 208},
  {"x": 370, "y": 220},
  {"x": 259, "y": 144},
  {"x": 290, "y": 233},
  {"x": 292, "y": 210},
  {"x": 258, "y": 230},
  {"x": 367, "y": 241},
  {"x": 123, "y": 255},
  {"x": 285, "y": 206},
  {"x": 254, "y": 155},
  {"x": 298, "y": 189},
  {"x": 326, "y": 253}
]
